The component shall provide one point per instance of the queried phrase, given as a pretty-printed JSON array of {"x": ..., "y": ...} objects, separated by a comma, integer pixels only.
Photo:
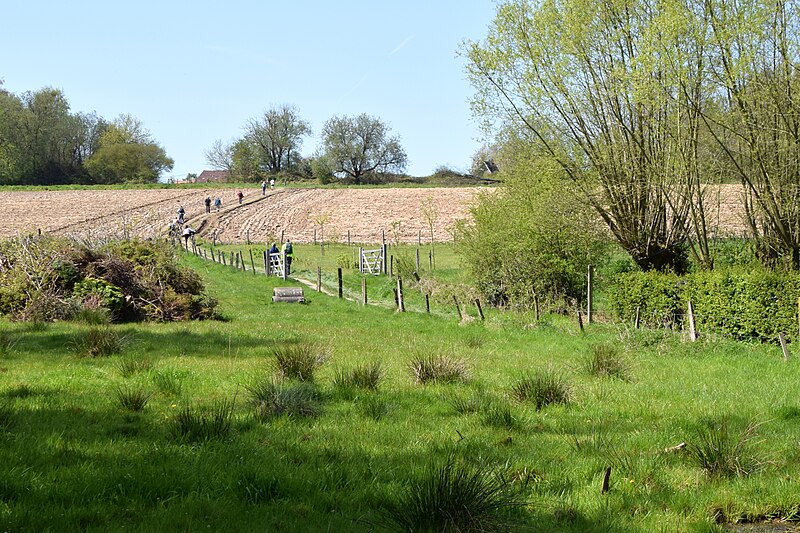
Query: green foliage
[
  {"x": 530, "y": 239},
  {"x": 321, "y": 170},
  {"x": 453, "y": 496},
  {"x": 7, "y": 343},
  {"x": 756, "y": 304},
  {"x": 438, "y": 368},
  {"x": 197, "y": 424},
  {"x": 543, "y": 388},
  {"x": 375, "y": 407},
  {"x": 300, "y": 360},
  {"x": 168, "y": 381},
  {"x": 132, "y": 365},
  {"x": 45, "y": 278},
  {"x": 723, "y": 452}
]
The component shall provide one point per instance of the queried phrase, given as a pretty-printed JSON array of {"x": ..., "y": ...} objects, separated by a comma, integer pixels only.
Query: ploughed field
[{"x": 363, "y": 214}]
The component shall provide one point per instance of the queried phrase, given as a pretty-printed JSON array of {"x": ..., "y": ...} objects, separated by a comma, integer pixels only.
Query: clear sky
[{"x": 196, "y": 71}]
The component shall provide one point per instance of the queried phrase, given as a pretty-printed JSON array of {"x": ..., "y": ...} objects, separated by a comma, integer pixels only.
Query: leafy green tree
[
  {"x": 356, "y": 146},
  {"x": 278, "y": 133},
  {"x": 245, "y": 158},
  {"x": 127, "y": 153},
  {"x": 609, "y": 91},
  {"x": 532, "y": 238}
]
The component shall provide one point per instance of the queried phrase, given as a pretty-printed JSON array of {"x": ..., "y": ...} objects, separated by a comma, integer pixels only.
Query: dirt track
[{"x": 365, "y": 213}]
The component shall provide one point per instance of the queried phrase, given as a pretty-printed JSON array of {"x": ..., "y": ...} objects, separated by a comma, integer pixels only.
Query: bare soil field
[{"x": 366, "y": 214}]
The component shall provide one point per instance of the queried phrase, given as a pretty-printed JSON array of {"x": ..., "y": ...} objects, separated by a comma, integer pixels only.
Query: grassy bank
[{"x": 202, "y": 455}]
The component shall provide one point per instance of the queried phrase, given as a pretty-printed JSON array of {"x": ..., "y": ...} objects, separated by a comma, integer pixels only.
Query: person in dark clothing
[
  {"x": 208, "y": 204},
  {"x": 288, "y": 254}
]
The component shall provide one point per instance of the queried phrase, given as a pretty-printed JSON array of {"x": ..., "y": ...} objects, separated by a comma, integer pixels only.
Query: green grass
[{"x": 202, "y": 456}]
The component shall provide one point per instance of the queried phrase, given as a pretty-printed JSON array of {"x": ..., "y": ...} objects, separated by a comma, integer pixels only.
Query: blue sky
[{"x": 194, "y": 72}]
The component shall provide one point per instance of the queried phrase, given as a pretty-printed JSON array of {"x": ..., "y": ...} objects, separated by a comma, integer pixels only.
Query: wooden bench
[{"x": 288, "y": 294}]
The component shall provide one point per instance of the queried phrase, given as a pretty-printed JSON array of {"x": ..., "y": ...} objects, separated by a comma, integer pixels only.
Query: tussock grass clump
[
  {"x": 7, "y": 417},
  {"x": 254, "y": 488},
  {"x": 500, "y": 415},
  {"x": 168, "y": 382},
  {"x": 542, "y": 389},
  {"x": 453, "y": 496},
  {"x": 366, "y": 377},
  {"x": 200, "y": 425},
  {"x": 129, "y": 366},
  {"x": 7, "y": 343},
  {"x": 465, "y": 405},
  {"x": 606, "y": 360},
  {"x": 275, "y": 398},
  {"x": 439, "y": 368},
  {"x": 95, "y": 316},
  {"x": 299, "y": 361},
  {"x": 132, "y": 399},
  {"x": 375, "y": 407},
  {"x": 99, "y": 342},
  {"x": 723, "y": 452}
]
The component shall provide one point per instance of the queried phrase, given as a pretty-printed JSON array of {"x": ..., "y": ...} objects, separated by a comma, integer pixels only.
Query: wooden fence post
[
  {"x": 252, "y": 262},
  {"x": 360, "y": 259},
  {"x": 417, "y": 260},
  {"x": 391, "y": 266},
  {"x": 319, "y": 279},
  {"x": 782, "y": 338},
  {"x": 339, "y": 275},
  {"x": 458, "y": 307},
  {"x": 348, "y": 237},
  {"x": 282, "y": 237},
  {"x": 419, "y": 237},
  {"x": 692, "y": 330},
  {"x": 266, "y": 263},
  {"x": 580, "y": 319},
  {"x": 427, "y": 304},
  {"x": 221, "y": 253},
  {"x": 364, "y": 291},
  {"x": 480, "y": 309},
  {"x": 401, "y": 306},
  {"x": 430, "y": 259},
  {"x": 536, "y": 306},
  {"x": 637, "y": 317},
  {"x": 589, "y": 294},
  {"x": 315, "y": 236}
]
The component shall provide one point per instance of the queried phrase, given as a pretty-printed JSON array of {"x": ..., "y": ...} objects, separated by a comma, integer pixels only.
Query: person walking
[
  {"x": 188, "y": 232},
  {"x": 181, "y": 213},
  {"x": 272, "y": 183},
  {"x": 208, "y": 204},
  {"x": 288, "y": 255},
  {"x": 218, "y": 203},
  {"x": 240, "y": 195},
  {"x": 263, "y": 187}
]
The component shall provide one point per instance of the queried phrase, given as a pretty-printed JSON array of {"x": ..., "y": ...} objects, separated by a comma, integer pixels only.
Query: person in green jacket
[{"x": 288, "y": 254}]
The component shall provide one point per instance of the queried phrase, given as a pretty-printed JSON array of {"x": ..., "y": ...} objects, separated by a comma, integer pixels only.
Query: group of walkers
[
  {"x": 179, "y": 227},
  {"x": 264, "y": 186}
]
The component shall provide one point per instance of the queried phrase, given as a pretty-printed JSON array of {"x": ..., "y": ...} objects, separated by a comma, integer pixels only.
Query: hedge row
[{"x": 745, "y": 305}]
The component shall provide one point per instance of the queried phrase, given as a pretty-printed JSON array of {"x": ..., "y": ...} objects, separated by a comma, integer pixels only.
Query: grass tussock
[
  {"x": 367, "y": 377},
  {"x": 7, "y": 343},
  {"x": 292, "y": 399},
  {"x": 439, "y": 368},
  {"x": 606, "y": 361},
  {"x": 500, "y": 415},
  {"x": 132, "y": 399},
  {"x": 299, "y": 361},
  {"x": 94, "y": 316},
  {"x": 130, "y": 366},
  {"x": 725, "y": 452},
  {"x": 99, "y": 342},
  {"x": 375, "y": 407},
  {"x": 194, "y": 424},
  {"x": 542, "y": 389},
  {"x": 168, "y": 381},
  {"x": 453, "y": 496},
  {"x": 465, "y": 405}
]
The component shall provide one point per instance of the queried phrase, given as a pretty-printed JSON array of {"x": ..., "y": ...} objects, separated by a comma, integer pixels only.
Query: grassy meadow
[{"x": 332, "y": 416}]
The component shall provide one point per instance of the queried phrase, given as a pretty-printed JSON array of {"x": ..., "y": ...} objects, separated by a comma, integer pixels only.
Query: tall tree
[
  {"x": 127, "y": 153},
  {"x": 220, "y": 156},
  {"x": 601, "y": 89},
  {"x": 279, "y": 134},
  {"x": 361, "y": 145}
]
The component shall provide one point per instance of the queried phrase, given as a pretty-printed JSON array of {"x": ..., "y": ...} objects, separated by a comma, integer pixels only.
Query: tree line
[
  {"x": 354, "y": 147},
  {"x": 43, "y": 143}
]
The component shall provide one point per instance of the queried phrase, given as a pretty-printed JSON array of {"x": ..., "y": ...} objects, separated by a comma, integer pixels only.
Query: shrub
[
  {"x": 542, "y": 389},
  {"x": 656, "y": 295},
  {"x": 439, "y": 369},
  {"x": 109, "y": 295},
  {"x": 299, "y": 361},
  {"x": 453, "y": 497},
  {"x": 367, "y": 376},
  {"x": 721, "y": 452},
  {"x": 201, "y": 425},
  {"x": 607, "y": 361},
  {"x": 99, "y": 342},
  {"x": 273, "y": 399},
  {"x": 132, "y": 399}
]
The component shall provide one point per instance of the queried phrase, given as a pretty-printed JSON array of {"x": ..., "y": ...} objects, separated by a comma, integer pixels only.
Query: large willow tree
[{"x": 613, "y": 93}]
